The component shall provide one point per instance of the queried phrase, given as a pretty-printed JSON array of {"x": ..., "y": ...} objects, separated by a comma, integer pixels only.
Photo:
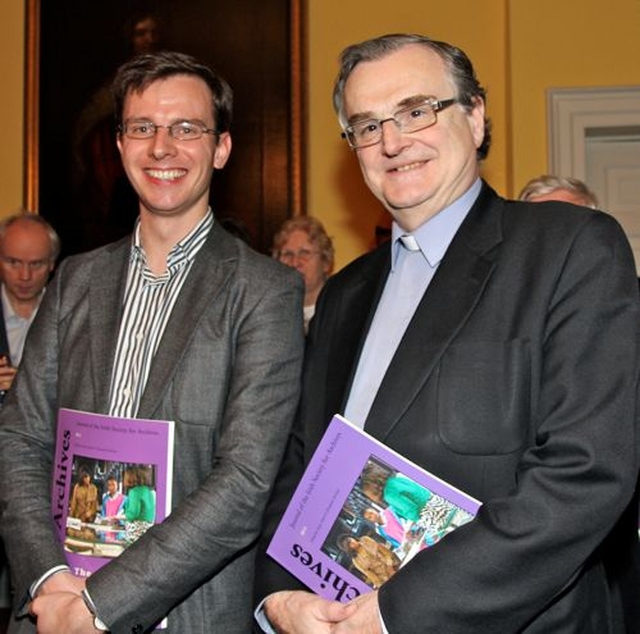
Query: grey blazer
[
  {"x": 516, "y": 382},
  {"x": 226, "y": 371}
]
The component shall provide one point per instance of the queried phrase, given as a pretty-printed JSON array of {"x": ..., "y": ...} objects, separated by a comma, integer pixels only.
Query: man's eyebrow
[
  {"x": 360, "y": 116},
  {"x": 414, "y": 100},
  {"x": 403, "y": 103}
]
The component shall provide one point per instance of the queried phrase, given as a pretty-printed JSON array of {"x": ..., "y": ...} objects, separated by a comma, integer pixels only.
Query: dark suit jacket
[
  {"x": 4, "y": 342},
  {"x": 515, "y": 382},
  {"x": 226, "y": 371}
]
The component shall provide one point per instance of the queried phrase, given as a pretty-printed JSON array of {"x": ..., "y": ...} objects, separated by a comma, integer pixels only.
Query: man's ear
[
  {"x": 477, "y": 121},
  {"x": 222, "y": 151}
]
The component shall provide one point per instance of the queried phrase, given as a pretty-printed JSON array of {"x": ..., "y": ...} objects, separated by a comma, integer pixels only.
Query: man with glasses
[
  {"x": 493, "y": 343},
  {"x": 179, "y": 321}
]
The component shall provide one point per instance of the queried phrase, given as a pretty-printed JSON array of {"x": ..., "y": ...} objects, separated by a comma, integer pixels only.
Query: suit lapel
[
  {"x": 108, "y": 279},
  {"x": 210, "y": 269},
  {"x": 442, "y": 312}
]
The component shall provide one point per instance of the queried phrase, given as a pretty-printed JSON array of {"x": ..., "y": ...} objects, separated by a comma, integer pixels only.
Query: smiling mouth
[
  {"x": 166, "y": 175},
  {"x": 408, "y": 168}
]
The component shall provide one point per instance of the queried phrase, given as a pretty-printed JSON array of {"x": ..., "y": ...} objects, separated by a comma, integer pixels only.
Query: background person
[
  {"x": 303, "y": 244},
  {"x": 568, "y": 189},
  {"x": 494, "y": 343},
  {"x": 29, "y": 247},
  {"x": 179, "y": 321}
]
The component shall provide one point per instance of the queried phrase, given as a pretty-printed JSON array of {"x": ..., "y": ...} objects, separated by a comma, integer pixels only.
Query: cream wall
[
  {"x": 519, "y": 50},
  {"x": 559, "y": 43}
]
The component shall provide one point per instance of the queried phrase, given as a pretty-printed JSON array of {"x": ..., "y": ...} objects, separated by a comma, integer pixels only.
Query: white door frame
[{"x": 573, "y": 111}]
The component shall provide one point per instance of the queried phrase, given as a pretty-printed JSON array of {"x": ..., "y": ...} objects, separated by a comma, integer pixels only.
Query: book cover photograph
[
  {"x": 360, "y": 512},
  {"x": 112, "y": 481}
]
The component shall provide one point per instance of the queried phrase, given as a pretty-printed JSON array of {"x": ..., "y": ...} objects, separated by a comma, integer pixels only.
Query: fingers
[
  {"x": 303, "y": 613},
  {"x": 7, "y": 373}
]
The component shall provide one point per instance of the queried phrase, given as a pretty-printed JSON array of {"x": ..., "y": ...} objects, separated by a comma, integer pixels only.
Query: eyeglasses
[
  {"x": 180, "y": 130},
  {"x": 411, "y": 119},
  {"x": 303, "y": 255}
]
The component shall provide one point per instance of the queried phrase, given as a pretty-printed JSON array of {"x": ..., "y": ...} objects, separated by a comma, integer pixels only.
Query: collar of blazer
[
  {"x": 212, "y": 266},
  {"x": 461, "y": 277}
]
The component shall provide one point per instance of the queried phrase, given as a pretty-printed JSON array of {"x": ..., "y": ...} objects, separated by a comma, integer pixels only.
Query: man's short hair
[
  {"x": 29, "y": 216},
  {"x": 548, "y": 183},
  {"x": 139, "y": 73}
]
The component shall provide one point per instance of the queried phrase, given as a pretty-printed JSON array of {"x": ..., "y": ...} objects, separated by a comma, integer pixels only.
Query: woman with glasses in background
[{"x": 303, "y": 244}]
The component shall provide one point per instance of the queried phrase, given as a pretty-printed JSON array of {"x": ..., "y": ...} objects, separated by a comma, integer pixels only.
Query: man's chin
[{"x": 26, "y": 297}]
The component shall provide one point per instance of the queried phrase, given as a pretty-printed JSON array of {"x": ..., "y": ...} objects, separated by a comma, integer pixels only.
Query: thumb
[{"x": 334, "y": 611}]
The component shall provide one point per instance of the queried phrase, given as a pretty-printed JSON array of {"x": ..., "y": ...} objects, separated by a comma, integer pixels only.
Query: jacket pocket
[{"x": 483, "y": 397}]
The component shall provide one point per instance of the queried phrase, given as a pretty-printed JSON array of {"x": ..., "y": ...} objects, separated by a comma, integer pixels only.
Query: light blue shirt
[{"x": 410, "y": 275}]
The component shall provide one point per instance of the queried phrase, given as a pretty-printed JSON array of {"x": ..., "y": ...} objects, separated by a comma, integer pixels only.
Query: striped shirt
[{"x": 148, "y": 302}]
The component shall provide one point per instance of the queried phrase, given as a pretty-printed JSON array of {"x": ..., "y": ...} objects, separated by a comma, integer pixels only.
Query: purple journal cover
[
  {"x": 134, "y": 457},
  {"x": 360, "y": 512}
]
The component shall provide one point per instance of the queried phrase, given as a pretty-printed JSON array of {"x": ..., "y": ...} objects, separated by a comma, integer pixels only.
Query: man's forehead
[
  {"x": 180, "y": 90},
  {"x": 176, "y": 81},
  {"x": 395, "y": 79},
  {"x": 25, "y": 229}
]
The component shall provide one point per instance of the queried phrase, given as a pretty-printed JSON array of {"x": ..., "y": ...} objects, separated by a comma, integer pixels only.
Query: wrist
[
  {"x": 44, "y": 582},
  {"x": 90, "y": 605}
]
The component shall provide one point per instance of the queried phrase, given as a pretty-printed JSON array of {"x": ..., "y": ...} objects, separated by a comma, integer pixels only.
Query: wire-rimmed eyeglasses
[
  {"x": 302, "y": 255},
  {"x": 410, "y": 119},
  {"x": 180, "y": 130}
]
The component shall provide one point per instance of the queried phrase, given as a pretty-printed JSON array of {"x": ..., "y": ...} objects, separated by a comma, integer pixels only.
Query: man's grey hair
[
  {"x": 30, "y": 216},
  {"x": 548, "y": 183}
]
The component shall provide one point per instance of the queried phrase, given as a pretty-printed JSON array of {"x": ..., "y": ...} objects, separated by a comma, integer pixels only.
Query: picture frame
[{"x": 73, "y": 48}]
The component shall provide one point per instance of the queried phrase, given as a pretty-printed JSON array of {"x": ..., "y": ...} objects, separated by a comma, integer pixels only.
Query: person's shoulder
[
  {"x": 567, "y": 217},
  {"x": 366, "y": 266},
  {"x": 84, "y": 260},
  {"x": 79, "y": 269},
  {"x": 552, "y": 212},
  {"x": 549, "y": 213},
  {"x": 254, "y": 267}
]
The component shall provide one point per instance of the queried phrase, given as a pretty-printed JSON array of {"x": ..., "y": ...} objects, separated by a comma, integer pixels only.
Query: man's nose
[
  {"x": 162, "y": 143},
  {"x": 393, "y": 140}
]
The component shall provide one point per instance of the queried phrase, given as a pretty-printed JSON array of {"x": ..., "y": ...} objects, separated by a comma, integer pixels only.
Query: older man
[
  {"x": 551, "y": 187},
  {"x": 29, "y": 247},
  {"x": 490, "y": 342}
]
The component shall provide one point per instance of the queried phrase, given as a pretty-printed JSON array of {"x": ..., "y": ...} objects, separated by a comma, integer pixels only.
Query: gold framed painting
[{"x": 73, "y": 176}]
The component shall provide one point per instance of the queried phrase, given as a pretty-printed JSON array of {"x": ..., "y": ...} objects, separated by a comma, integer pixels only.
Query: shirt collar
[
  {"x": 182, "y": 252},
  {"x": 7, "y": 308},
  {"x": 435, "y": 235}
]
